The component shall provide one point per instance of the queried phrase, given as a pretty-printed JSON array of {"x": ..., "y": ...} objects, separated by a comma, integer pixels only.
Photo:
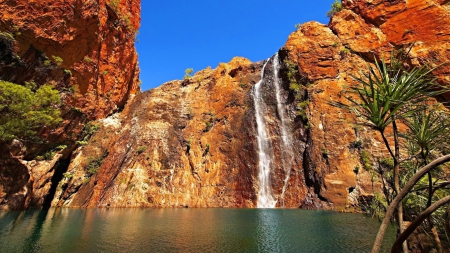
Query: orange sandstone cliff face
[
  {"x": 83, "y": 48},
  {"x": 195, "y": 142}
]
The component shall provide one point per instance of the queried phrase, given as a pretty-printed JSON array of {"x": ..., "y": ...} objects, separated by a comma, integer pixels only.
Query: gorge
[
  {"x": 266, "y": 136},
  {"x": 244, "y": 134}
]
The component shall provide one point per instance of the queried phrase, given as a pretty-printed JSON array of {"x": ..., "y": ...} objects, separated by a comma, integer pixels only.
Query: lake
[{"x": 187, "y": 230}]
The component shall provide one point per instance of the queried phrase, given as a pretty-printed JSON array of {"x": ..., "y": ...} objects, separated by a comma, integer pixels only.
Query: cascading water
[
  {"x": 287, "y": 150},
  {"x": 266, "y": 198}
]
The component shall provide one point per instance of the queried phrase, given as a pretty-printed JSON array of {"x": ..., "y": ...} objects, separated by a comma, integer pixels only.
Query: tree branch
[
  {"x": 425, "y": 214},
  {"x": 382, "y": 230}
]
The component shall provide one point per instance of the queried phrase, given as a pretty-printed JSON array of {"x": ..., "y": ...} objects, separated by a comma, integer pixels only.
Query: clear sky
[{"x": 179, "y": 34}]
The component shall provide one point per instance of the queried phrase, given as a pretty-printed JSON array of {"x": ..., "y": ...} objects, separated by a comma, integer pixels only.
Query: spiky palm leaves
[{"x": 389, "y": 92}]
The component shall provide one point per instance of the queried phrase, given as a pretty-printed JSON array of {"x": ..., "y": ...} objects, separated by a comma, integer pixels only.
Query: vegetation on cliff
[{"x": 23, "y": 110}]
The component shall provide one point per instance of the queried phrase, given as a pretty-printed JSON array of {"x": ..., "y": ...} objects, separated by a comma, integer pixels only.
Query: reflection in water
[
  {"x": 185, "y": 230},
  {"x": 267, "y": 232}
]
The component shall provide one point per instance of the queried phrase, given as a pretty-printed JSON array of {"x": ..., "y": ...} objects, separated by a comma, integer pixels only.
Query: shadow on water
[{"x": 32, "y": 242}]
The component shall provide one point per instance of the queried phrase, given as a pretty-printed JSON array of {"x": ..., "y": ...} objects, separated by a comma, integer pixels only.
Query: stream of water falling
[
  {"x": 287, "y": 150},
  {"x": 266, "y": 198}
]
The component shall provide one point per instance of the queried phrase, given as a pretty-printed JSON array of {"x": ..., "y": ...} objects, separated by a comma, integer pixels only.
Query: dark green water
[{"x": 186, "y": 230}]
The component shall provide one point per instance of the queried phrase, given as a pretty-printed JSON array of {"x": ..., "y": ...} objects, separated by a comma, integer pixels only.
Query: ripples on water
[{"x": 186, "y": 230}]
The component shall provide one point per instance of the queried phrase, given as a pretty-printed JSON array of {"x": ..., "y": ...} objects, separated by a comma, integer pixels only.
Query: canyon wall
[
  {"x": 195, "y": 142},
  {"x": 85, "y": 49}
]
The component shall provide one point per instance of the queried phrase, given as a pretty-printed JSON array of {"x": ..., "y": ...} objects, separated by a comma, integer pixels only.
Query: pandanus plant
[{"x": 387, "y": 93}]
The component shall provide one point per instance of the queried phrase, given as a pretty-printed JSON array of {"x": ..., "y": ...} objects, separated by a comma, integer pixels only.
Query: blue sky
[{"x": 178, "y": 34}]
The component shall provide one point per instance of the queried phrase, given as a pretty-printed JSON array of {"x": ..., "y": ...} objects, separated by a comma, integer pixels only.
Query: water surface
[{"x": 186, "y": 230}]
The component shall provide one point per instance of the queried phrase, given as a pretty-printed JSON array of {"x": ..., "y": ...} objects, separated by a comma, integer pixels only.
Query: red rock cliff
[
  {"x": 86, "y": 50},
  {"x": 194, "y": 142}
]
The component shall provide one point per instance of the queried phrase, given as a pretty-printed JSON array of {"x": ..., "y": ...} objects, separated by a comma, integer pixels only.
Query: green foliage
[
  {"x": 428, "y": 127},
  {"x": 388, "y": 89},
  {"x": 68, "y": 72},
  {"x": 141, "y": 149},
  {"x": 115, "y": 5},
  {"x": 104, "y": 73},
  {"x": 344, "y": 51},
  {"x": 365, "y": 160},
  {"x": 87, "y": 59},
  {"x": 303, "y": 106},
  {"x": 88, "y": 130},
  {"x": 31, "y": 85},
  {"x": 376, "y": 207},
  {"x": 68, "y": 175},
  {"x": 23, "y": 111},
  {"x": 188, "y": 73},
  {"x": 7, "y": 35},
  {"x": 336, "y": 7},
  {"x": 58, "y": 60},
  {"x": 94, "y": 164},
  {"x": 297, "y": 26},
  {"x": 8, "y": 54},
  {"x": 82, "y": 143},
  {"x": 61, "y": 147},
  {"x": 387, "y": 163},
  {"x": 49, "y": 155}
]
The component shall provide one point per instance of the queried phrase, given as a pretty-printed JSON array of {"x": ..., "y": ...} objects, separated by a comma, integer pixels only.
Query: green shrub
[
  {"x": 68, "y": 175},
  {"x": 87, "y": 59},
  {"x": 345, "y": 51},
  {"x": 61, "y": 147},
  {"x": 94, "y": 164},
  {"x": 23, "y": 111},
  {"x": 68, "y": 72},
  {"x": 58, "y": 60},
  {"x": 387, "y": 163},
  {"x": 49, "y": 155},
  {"x": 188, "y": 73},
  {"x": 365, "y": 160},
  {"x": 336, "y": 7}
]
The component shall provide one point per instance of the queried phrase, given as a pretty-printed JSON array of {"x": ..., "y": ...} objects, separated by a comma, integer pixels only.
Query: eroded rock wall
[
  {"x": 85, "y": 49},
  {"x": 194, "y": 142}
]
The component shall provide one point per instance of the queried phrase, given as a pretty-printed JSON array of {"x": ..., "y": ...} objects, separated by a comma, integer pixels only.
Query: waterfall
[
  {"x": 287, "y": 150},
  {"x": 266, "y": 198}
]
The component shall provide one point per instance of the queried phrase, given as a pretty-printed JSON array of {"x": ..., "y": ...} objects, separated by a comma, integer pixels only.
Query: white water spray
[
  {"x": 287, "y": 150},
  {"x": 265, "y": 194}
]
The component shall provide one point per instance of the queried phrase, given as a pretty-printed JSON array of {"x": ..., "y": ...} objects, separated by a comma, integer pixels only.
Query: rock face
[
  {"x": 196, "y": 142},
  {"x": 83, "y": 48}
]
